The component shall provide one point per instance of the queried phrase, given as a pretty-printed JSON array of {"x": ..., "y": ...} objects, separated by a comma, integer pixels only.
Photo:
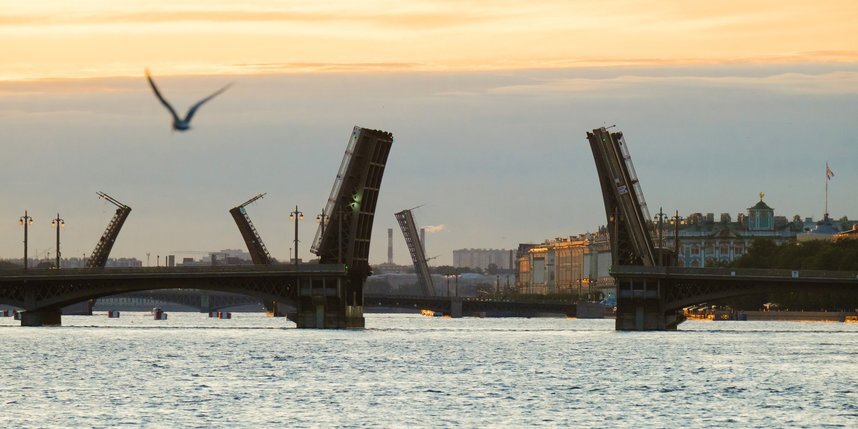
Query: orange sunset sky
[{"x": 95, "y": 38}]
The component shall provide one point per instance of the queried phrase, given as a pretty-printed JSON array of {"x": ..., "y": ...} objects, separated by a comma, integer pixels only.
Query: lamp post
[
  {"x": 58, "y": 224},
  {"x": 25, "y": 220},
  {"x": 660, "y": 218},
  {"x": 676, "y": 221},
  {"x": 296, "y": 216},
  {"x": 320, "y": 219}
]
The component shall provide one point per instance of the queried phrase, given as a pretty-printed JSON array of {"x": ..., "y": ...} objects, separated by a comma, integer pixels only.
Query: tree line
[{"x": 841, "y": 255}]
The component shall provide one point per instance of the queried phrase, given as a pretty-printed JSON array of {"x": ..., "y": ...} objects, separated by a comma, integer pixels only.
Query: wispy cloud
[
  {"x": 98, "y": 38},
  {"x": 844, "y": 82},
  {"x": 434, "y": 228},
  {"x": 394, "y": 19}
]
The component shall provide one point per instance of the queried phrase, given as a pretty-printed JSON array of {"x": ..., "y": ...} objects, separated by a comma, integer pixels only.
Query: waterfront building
[
  {"x": 482, "y": 258},
  {"x": 825, "y": 229},
  {"x": 582, "y": 263},
  {"x": 704, "y": 242},
  {"x": 851, "y": 234},
  {"x": 574, "y": 265}
]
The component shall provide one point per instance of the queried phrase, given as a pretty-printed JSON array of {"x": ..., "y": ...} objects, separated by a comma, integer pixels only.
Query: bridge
[
  {"x": 43, "y": 293},
  {"x": 651, "y": 292},
  {"x": 326, "y": 295}
]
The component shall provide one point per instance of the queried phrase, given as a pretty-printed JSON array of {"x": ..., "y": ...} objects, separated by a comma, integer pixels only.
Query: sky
[{"x": 489, "y": 104}]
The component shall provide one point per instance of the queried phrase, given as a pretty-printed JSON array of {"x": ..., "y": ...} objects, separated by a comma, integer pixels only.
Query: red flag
[{"x": 828, "y": 173}]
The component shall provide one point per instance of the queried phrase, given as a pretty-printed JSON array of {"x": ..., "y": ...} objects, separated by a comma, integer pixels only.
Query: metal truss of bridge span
[
  {"x": 346, "y": 227},
  {"x": 98, "y": 257},
  {"x": 258, "y": 252},
  {"x": 42, "y": 293},
  {"x": 682, "y": 287},
  {"x": 199, "y": 300}
]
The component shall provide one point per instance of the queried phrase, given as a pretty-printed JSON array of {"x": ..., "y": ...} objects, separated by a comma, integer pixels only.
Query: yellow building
[{"x": 573, "y": 265}]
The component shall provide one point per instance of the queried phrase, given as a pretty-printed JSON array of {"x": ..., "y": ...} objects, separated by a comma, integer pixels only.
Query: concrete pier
[
  {"x": 49, "y": 317},
  {"x": 327, "y": 312},
  {"x": 456, "y": 307}
]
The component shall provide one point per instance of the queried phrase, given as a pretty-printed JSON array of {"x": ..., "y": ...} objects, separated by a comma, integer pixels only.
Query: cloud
[
  {"x": 393, "y": 19},
  {"x": 841, "y": 82},
  {"x": 434, "y": 228},
  {"x": 331, "y": 67}
]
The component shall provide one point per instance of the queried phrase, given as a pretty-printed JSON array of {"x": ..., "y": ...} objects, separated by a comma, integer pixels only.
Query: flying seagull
[{"x": 178, "y": 123}]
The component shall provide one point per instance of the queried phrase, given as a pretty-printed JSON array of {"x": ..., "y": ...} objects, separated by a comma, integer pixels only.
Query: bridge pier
[
  {"x": 456, "y": 307},
  {"x": 640, "y": 306},
  {"x": 47, "y": 317},
  {"x": 321, "y": 312},
  {"x": 205, "y": 304},
  {"x": 326, "y": 304}
]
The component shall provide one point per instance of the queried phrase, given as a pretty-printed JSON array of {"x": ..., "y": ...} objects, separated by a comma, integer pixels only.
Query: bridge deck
[
  {"x": 737, "y": 274},
  {"x": 242, "y": 271}
]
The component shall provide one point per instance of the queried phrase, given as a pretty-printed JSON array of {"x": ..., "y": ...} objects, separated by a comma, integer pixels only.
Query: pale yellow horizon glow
[{"x": 100, "y": 38}]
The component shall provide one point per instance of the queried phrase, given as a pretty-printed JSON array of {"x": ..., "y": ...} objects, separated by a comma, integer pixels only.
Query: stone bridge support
[
  {"x": 640, "y": 306},
  {"x": 46, "y": 317}
]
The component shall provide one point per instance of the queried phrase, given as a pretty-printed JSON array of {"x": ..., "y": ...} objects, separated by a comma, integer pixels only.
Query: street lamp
[
  {"x": 58, "y": 224},
  {"x": 676, "y": 221},
  {"x": 660, "y": 219},
  {"x": 26, "y": 221},
  {"x": 320, "y": 219},
  {"x": 296, "y": 216}
]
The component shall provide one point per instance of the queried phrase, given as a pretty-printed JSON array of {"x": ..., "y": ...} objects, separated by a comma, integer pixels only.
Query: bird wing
[
  {"x": 160, "y": 97},
  {"x": 194, "y": 108}
]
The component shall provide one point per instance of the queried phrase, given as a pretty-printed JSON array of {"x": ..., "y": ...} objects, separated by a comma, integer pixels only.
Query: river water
[{"x": 408, "y": 370}]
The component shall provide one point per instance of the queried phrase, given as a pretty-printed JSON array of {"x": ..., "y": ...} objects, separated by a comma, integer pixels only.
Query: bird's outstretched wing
[
  {"x": 194, "y": 108},
  {"x": 160, "y": 97}
]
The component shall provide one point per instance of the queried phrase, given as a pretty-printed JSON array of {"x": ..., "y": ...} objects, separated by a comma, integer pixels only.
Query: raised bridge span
[{"x": 651, "y": 292}]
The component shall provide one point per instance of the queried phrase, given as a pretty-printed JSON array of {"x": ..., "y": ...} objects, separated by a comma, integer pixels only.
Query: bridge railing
[
  {"x": 735, "y": 272},
  {"x": 301, "y": 268}
]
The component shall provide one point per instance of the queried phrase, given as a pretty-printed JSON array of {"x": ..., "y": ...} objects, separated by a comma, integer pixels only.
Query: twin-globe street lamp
[
  {"x": 296, "y": 216},
  {"x": 25, "y": 220},
  {"x": 58, "y": 224},
  {"x": 322, "y": 219}
]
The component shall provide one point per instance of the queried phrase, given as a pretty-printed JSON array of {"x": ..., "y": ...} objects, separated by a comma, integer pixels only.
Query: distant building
[
  {"x": 223, "y": 257},
  {"x": 392, "y": 268},
  {"x": 582, "y": 263},
  {"x": 826, "y": 229},
  {"x": 577, "y": 264},
  {"x": 705, "y": 242},
  {"x": 851, "y": 234},
  {"x": 482, "y": 258},
  {"x": 124, "y": 262}
]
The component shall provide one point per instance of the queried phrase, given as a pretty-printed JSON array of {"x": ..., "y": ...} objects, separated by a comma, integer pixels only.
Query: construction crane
[
  {"x": 98, "y": 258},
  {"x": 415, "y": 247},
  {"x": 258, "y": 252}
]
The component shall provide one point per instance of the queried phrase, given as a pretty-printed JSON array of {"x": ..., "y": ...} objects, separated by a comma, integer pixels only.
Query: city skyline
[{"x": 489, "y": 105}]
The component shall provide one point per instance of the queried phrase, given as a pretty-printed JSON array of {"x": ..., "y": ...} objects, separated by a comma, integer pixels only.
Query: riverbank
[{"x": 801, "y": 316}]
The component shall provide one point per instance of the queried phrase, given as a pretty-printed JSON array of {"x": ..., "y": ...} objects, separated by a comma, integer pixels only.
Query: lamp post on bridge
[
  {"x": 660, "y": 219},
  {"x": 320, "y": 219},
  {"x": 25, "y": 220},
  {"x": 296, "y": 216},
  {"x": 676, "y": 221},
  {"x": 58, "y": 224}
]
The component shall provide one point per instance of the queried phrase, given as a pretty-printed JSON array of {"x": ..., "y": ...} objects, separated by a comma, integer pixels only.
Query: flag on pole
[{"x": 828, "y": 173}]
